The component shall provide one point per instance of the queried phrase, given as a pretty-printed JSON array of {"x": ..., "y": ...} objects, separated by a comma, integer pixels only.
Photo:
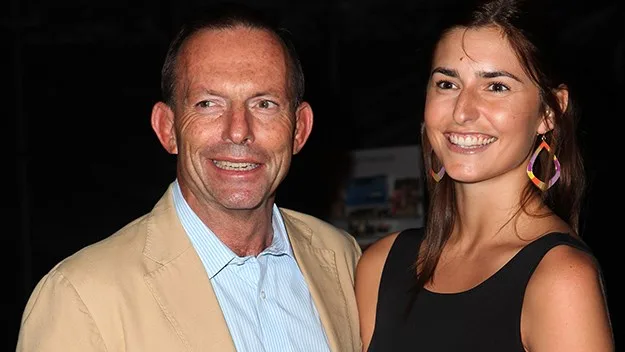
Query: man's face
[{"x": 235, "y": 131}]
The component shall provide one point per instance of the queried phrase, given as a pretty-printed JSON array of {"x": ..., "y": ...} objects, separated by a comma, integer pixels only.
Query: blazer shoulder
[
  {"x": 320, "y": 230},
  {"x": 108, "y": 256}
]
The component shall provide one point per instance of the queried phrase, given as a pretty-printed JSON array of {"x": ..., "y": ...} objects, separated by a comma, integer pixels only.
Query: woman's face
[{"x": 482, "y": 110}]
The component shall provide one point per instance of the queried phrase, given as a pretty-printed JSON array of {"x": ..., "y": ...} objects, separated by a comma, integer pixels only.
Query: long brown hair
[{"x": 527, "y": 32}]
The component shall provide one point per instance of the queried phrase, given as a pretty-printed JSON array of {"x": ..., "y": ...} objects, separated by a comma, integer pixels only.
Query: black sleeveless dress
[{"x": 484, "y": 318}]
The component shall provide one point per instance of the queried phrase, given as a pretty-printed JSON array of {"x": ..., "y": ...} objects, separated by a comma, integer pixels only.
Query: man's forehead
[
  {"x": 235, "y": 57},
  {"x": 249, "y": 36},
  {"x": 234, "y": 46}
]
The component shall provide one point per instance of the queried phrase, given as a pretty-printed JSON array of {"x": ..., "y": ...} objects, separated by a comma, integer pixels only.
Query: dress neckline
[{"x": 500, "y": 270}]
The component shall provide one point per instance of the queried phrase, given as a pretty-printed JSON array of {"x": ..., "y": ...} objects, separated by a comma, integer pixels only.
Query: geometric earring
[
  {"x": 437, "y": 176},
  {"x": 540, "y": 184}
]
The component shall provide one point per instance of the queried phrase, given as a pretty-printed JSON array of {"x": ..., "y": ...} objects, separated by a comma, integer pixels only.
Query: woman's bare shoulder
[
  {"x": 368, "y": 277},
  {"x": 566, "y": 287},
  {"x": 375, "y": 255}
]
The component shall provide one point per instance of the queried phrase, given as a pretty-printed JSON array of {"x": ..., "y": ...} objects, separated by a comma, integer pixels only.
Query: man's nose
[{"x": 238, "y": 129}]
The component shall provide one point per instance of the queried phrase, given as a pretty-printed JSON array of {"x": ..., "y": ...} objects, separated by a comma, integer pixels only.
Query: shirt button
[{"x": 262, "y": 294}]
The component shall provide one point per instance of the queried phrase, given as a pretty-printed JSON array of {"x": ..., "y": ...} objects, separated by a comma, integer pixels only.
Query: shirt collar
[{"x": 215, "y": 255}]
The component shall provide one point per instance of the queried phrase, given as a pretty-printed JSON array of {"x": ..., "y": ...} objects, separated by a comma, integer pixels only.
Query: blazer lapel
[
  {"x": 318, "y": 265},
  {"x": 180, "y": 284}
]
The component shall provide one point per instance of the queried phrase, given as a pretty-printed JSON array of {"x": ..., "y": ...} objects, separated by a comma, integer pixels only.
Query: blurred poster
[{"x": 383, "y": 193}]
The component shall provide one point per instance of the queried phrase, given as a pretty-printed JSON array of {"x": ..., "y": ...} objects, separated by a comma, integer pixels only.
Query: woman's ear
[
  {"x": 548, "y": 120},
  {"x": 163, "y": 125},
  {"x": 562, "y": 93}
]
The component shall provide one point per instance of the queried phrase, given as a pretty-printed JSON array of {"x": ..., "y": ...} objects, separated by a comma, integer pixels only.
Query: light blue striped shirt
[{"x": 265, "y": 300}]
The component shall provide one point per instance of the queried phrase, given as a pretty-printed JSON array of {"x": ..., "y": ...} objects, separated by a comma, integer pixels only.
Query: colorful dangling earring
[
  {"x": 530, "y": 167},
  {"x": 437, "y": 176}
]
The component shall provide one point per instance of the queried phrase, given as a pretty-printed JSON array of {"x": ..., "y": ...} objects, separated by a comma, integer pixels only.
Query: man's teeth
[
  {"x": 471, "y": 141},
  {"x": 227, "y": 165}
]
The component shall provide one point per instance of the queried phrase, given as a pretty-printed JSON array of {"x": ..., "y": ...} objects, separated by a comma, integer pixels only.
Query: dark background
[{"x": 82, "y": 77}]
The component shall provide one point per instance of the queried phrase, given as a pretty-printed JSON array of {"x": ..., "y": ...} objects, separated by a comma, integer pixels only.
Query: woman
[{"x": 500, "y": 265}]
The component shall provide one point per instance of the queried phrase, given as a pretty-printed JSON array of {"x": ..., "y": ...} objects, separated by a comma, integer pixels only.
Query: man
[{"x": 216, "y": 265}]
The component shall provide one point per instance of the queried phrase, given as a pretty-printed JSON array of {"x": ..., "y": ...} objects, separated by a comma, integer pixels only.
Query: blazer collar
[
  {"x": 182, "y": 288},
  {"x": 318, "y": 265},
  {"x": 180, "y": 284}
]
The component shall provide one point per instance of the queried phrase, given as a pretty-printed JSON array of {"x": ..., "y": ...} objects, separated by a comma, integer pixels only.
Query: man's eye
[
  {"x": 266, "y": 104},
  {"x": 205, "y": 104}
]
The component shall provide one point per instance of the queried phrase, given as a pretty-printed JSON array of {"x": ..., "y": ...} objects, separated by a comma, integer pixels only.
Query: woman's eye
[
  {"x": 498, "y": 87},
  {"x": 444, "y": 85}
]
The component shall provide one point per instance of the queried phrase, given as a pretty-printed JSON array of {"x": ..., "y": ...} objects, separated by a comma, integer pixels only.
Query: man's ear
[
  {"x": 548, "y": 121},
  {"x": 163, "y": 125},
  {"x": 303, "y": 126}
]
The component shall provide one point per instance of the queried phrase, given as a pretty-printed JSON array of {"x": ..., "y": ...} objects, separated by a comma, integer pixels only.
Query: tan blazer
[{"x": 145, "y": 289}]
